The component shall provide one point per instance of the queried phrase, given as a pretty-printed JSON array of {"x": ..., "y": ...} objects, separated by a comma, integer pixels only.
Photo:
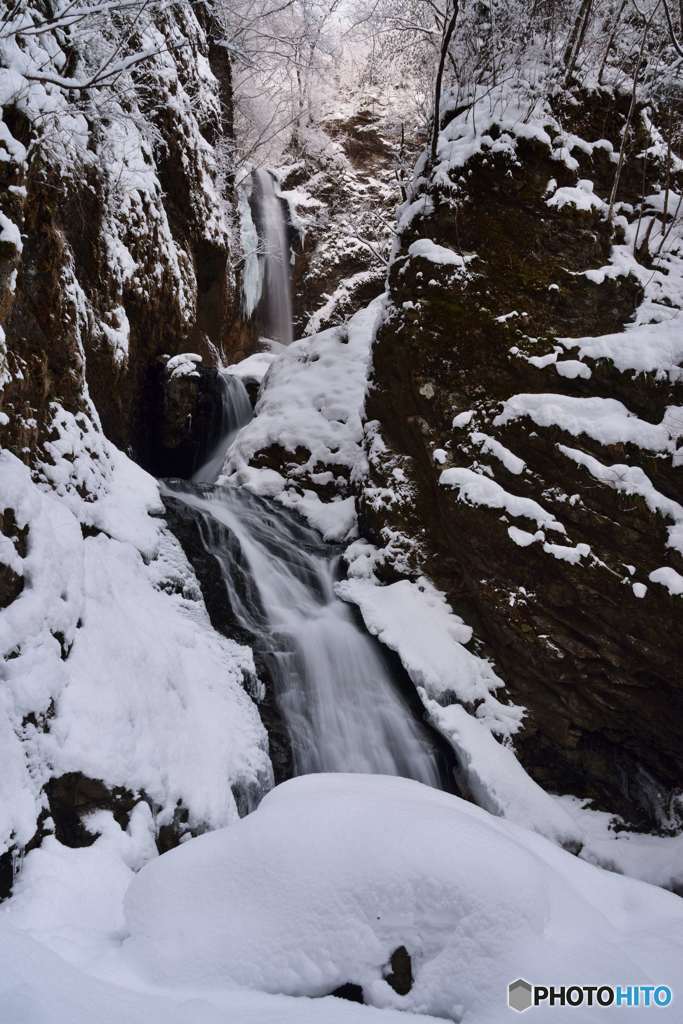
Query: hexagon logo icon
[{"x": 520, "y": 995}]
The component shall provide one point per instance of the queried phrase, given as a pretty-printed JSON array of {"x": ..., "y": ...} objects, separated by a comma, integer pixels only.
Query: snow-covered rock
[{"x": 113, "y": 669}]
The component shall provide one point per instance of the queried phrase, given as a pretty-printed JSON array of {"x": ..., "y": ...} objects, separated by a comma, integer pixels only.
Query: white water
[
  {"x": 333, "y": 685},
  {"x": 236, "y": 410},
  {"x": 276, "y": 293}
]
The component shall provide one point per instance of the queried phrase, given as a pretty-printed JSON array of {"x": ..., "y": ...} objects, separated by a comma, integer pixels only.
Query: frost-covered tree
[{"x": 282, "y": 52}]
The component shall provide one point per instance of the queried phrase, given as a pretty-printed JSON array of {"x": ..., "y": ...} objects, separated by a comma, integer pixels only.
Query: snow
[
  {"x": 117, "y": 333},
  {"x": 669, "y": 578},
  {"x": 312, "y": 399},
  {"x": 581, "y": 196},
  {"x": 573, "y": 368},
  {"x": 475, "y": 489},
  {"x": 650, "y": 858},
  {"x": 415, "y": 210},
  {"x": 564, "y": 552},
  {"x": 491, "y": 446},
  {"x": 632, "y": 480},
  {"x": 178, "y": 722},
  {"x": 522, "y": 537},
  {"x": 9, "y": 233},
  {"x": 372, "y": 863},
  {"x": 426, "y": 249},
  {"x": 644, "y": 348},
  {"x": 114, "y": 655},
  {"x": 183, "y": 365},
  {"x": 494, "y": 778},
  {"x": 333, "y": 308},
  {"x": 604, "y": 419},
  {"x": 254, "y": 367},
  {"x": 462, "y": 419},
  {"x": 414, "y": 619},
  {"x": 60, "y": 945}
]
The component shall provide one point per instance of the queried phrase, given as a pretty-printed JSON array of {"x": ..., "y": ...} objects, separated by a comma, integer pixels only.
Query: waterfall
[
  {"x": 235, "y": 411},
  {"x": 333, "y": 684},
  {"x": 276, "y": 295}
]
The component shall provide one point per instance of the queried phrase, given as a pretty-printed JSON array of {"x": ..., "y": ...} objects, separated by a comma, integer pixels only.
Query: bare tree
[
  {"x": 449, "y": 27},
  {"x": 20, "y": 23}
]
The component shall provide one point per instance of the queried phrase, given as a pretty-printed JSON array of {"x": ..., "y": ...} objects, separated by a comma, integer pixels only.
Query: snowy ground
[
  {"x": 316, "y": 888},
  {"x": 113, "y": 669}
]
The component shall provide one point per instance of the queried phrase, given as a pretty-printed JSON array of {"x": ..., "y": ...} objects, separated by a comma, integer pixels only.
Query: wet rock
[{"x": 184, "y": 416}]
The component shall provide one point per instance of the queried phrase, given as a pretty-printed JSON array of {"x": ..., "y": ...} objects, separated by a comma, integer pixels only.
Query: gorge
[{"x": 341, "y": 551}]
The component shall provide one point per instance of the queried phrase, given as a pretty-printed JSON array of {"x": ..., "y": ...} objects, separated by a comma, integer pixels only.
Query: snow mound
[
  {"x": 311, "y": 401},
  {"x": 60, "y": 946},
  {"x": 334, "y": 872},
  {"x": 113, "y": 668},
  {"x": 38, "y": 987}
]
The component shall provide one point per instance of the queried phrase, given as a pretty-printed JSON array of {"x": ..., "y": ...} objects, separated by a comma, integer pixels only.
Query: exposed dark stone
[
  {"x": 183, "y": 420},
  {"x": 169, "y": 835},
  {"x": 11, "y": 583},
  {"x": 352, "y": 993},
  {"x": 11, "y": 859},
  {"x": 400, "y": 977},
  {"x": 73, "y": 795},
  {"x": 6, "y": 874}
]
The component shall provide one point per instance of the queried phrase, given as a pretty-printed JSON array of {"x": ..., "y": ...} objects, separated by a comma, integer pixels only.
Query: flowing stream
[
  {"x": 234, "y": 413},
  {"x": 345, "y": 705},
  {"x": 333, "y": 684}
]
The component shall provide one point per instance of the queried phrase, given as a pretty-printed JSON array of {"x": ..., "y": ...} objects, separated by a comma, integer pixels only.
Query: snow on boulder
[
  {"x": 333, "y": 873},
  {"x": 426, "y": 249}
]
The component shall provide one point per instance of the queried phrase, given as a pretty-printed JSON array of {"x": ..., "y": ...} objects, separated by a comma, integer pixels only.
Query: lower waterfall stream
[{"x": 334, "y": 687}]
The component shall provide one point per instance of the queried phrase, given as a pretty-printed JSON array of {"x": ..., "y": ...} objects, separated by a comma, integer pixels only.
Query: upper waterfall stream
[
  {"x": 235, "y": 412},
  {"x": 276, "y": 290}
]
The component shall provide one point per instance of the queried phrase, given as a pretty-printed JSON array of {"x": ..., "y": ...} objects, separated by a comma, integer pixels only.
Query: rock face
[
  {"x": 506, "y": 248},
  {"x": 115, "y": 255},
  {"x": 119, "y": 249},
  {"x": 343, "y": 200},
  {"x": 184, "y": 410}
]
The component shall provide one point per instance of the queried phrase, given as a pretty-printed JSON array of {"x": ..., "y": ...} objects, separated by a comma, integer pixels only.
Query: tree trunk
[
  {"x": 445, "y": 43},
  {"x": 576, "y": 38}
]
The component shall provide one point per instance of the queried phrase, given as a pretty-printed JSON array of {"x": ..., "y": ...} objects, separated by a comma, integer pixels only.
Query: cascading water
[
  {"x": 276, "y": 294},
  {"x": 333, "y": 685},
  {"x": 235, "y": 411}
]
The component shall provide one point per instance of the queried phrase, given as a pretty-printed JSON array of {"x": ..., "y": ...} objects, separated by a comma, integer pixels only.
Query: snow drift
[{"x": 333, "y": 872}]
